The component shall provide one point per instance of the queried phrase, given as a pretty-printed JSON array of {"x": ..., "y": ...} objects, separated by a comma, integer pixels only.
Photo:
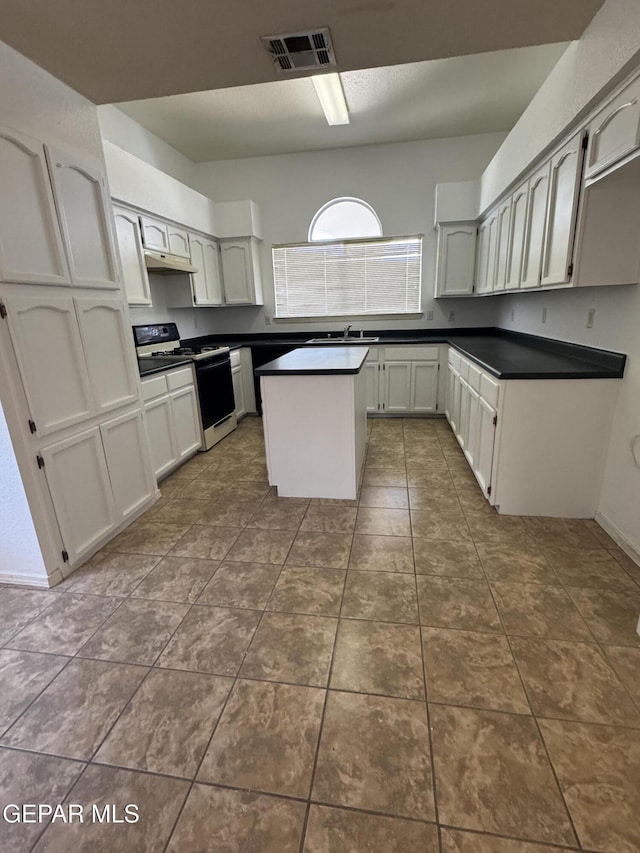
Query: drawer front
[
  {"x": 154, "y": 386},
  {"x": 235, "y": 358},
  {"x": 179, "y": 378},
  {"x": 454, "y": 359},
  {"x": 464, "y": 368},
  {"x": 411, "y": 353},
  {"x": 474, "y": 377},
  {"x": 489, "y": 389}
]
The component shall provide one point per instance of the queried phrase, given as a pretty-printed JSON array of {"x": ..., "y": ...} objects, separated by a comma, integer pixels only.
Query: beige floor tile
[
  {"x": 238, "y": 584},
  {"x": 246, "y": 491},
  {"x": 65, "y": 625},
  {"x": 385, "y": 522},
  {"x": 429, "y": 478},
  {"x": 211, "y": 639},
  {"x": 113, "y": 574},
  {"x": 450, "y": 526},
  {"x": 388, "y": 497},
  {"x": 324, "y": 550},
  {"x": 378, "y": 657},
  {"x": 573, "y": 681},
  {"x": 278, "y": 515},
  {"x": 329, "y": 519},
  {"x": 153, "y": 537},
  {"x": 262, "y": 546},
  {"x": 167, "y": 725},
  {"x": 626, "y": 662},
  {"x": 599, "y": 771},
  {"x": 471, "y": 668},
  {"x": 330, "y": 830},
  {"x": 380, "y": 596},
  {"x": 180, "y": 510},
  {"x": 304, "y": 589},
  {"x": 215, "y": 819},
  {"x": 612, "y": 616},
  {"x": 516, "y": 563},
  {"x": 204, "y": 490},
  {"x": 374, "y": 754},
  {"x": 158, "y": 800},
  {"x": 208, "y": 543},
  {"x": 75, "y": 712},
  {"x": 23, "y": 675},
  {"x": 561, "y": 532},
  {"x": 279, "y": 723},
  {"x": 492, "y": 774},
  {"x": 30, "y": 778},
  {"x": 446, "y": 558},
  {"x": 497, "y": 529},
  {"x": 429, "y": 500},
  {"x": 584, "y": 567},
  {"x": 536, "y": 610},
  {"x": 292, "y": 648},
  {"x": 384, "y": 477},
  {"x": 447, "y": 602},
  {"x": 137, "y": 632},
  {"x": 176, "y": 579},
  {"x": 382, "y": 554},
  {"x": 223, "y": 513},
  {"x": 19, "y": 606},
  {"x": 458, "y": 841}
]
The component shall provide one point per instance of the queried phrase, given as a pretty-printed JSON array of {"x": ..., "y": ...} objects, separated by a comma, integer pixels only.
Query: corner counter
[{"x": 315, "y": 421}]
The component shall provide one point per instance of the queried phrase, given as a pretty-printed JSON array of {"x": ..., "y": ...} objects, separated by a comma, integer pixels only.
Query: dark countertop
[
  {"x": 317, "y": 361},
  {"x": 156, "y": 364}
]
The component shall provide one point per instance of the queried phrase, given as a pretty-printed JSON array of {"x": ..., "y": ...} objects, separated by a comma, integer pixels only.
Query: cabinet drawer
[
  {"x": 154, "y": 386},
  {"x": 411, "y": 353},
  {"x": 489, "y": 389},
  {"x": 235, "y": 358},
  {"x": 474, "y": 377},
  {"x": 179, "y": 378},
  {"x": 454, "y": 359},
  {"x": 464, "y": 368}
]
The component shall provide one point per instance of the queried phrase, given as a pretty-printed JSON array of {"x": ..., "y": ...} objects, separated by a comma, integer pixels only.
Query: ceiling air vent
[{"x": 301, "y": 51}]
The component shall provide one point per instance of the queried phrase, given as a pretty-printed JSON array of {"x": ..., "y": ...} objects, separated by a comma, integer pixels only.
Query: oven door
[{"x": 215, "y": 390}]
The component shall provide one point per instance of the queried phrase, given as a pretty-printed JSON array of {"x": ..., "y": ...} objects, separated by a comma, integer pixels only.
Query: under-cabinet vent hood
[{"x": 161, "y": 263}]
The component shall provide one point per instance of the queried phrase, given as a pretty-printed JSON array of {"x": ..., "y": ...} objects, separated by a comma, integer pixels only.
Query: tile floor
[{"x": 409, "y": 672}]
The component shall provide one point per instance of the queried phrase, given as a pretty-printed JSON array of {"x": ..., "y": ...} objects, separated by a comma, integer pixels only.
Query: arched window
[{"x": 344, "y": 219}]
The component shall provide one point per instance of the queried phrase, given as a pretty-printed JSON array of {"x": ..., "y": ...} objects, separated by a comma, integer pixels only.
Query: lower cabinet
[
  {"x": 238, "y": 391},
  {"x": 403, "y": 379},
  {"x": 172, "y": 417}
]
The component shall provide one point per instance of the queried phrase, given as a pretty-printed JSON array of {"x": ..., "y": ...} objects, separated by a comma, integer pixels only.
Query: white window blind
[{"x": 350, "y": 277}]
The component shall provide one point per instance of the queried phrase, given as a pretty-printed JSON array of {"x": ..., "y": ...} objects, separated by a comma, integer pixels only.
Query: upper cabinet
[
  {"x": 241, "y": 272},
  {"x": 155, "y": 234},
  {"x": 84, "y": 209},
  {"x": 517, "y": 225},
  {"x": 503, "y": 247},
  {"x": 178, "y": 241},
  {"x": 134, "y": 270},
  {"x": 31, "y": 248},
  {"x": 615, "y": 131},
  {"x": 536, "y": 219},
  {"x": 207, "y": 282},
  {"x": 455, "y": 262}
]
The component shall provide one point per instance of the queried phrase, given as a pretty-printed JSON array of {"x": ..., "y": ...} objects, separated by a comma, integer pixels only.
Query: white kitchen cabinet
[
  {"x": 186, "y": 422},
  {"x": 84, "y": 209},
  {"x": 108, "y": 351},
  {"x": 535, "y": 227},
  {"x": 402, "y": 379},
  {"x": 206, "y": 284},
  {"x": 162, "y": 440},
  {"x": 128, "y": 463},
  {"x": 48, "y": 348},
  {"x": 396, "y": 382},
  {"x": 486, "y": 433},
  {"x": 373, "y": 385},
  {"x": 178, "y": 241},
  {"x": 503, "y": 231},
  {"x": 455, "y": 261},
  {"x": 564, "y": 191},
  {"x": 155, "y": 234},
  {"x": 78, "y": 480},
  {"x": 518, "y": 221},
  {"x": 473, "y": 423},
  {"x": 31, "y": 248},
  {"x": 241, "y": 272},
  {"x": 424, "y": 387},
  {"x": 614, "y": 132},
  {"x": 486, "y": 266},
  {"x": 248, "y": 385},
  {"x": 238, "y": 391},
  {"x": 134, "y": 270}
]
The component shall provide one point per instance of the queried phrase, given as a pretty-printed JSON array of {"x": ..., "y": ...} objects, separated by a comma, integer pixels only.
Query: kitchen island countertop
[{"x": 317, "y": 361}]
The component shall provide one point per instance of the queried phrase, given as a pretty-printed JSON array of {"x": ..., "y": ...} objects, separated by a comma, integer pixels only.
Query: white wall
[
  {"x": 609, "y": 47},
  {"x": 123, "y": 131},
  {"x": 398, "y": 180}
]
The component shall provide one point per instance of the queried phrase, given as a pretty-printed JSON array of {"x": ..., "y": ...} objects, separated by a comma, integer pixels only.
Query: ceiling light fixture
[{"x": 331, "y": 96}]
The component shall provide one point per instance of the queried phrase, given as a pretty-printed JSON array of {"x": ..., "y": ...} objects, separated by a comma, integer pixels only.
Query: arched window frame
[{"x": 334, "y": 202}]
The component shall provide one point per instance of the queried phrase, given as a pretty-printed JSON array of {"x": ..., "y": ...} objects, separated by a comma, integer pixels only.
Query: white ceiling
[
  {"x": 121, "y": 50},
  {"x": 464, "y": 95}
]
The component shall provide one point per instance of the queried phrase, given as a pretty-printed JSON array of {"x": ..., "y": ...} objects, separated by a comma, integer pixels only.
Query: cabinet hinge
[
  {"x": 3, "y": 311},
  {"x": 569, "y": 270},
  {"x": 495, "y": 420},
  {"x": 384, "y": 366},
  {"x": 488, "y": 490},
  {"x": 65, "y": 557},
  {"x": 383, "y": 407},
  {"x": 32, "y": 426},
  {"x": 40, "y": 461}
]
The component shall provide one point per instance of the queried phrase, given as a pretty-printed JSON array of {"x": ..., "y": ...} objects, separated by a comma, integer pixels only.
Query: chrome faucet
[{"x": 346, "y": 331}]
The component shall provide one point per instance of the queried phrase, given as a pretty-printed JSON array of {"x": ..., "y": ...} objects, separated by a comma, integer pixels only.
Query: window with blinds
[{"x": 349, "y": 277}]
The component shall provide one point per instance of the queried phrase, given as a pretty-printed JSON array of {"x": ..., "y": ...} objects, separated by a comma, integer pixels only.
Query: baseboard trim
[
  {"x": 31, "y": 580},
  {"x": 619, "y": 538}
]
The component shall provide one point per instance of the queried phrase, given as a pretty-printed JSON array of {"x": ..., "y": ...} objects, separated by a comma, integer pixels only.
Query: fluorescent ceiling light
[{"x": 329, "y": 91}]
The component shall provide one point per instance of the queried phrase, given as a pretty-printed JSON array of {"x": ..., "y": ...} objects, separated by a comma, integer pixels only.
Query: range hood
[{"x": 160, "y": 263}]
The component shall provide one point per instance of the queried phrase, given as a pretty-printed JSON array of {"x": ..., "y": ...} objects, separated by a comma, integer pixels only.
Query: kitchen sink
[{"x": 352, "y": 339}]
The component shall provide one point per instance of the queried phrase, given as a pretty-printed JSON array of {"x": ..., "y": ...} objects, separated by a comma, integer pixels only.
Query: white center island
[{"x": 315, "y": 421}]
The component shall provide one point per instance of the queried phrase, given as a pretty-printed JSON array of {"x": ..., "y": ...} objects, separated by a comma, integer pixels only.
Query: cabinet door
[
  {"x": 487, "y": 254},
  {"x": 564, "y": 189},
  {"x": 516, "y": 237},
  {"x": 84, "y": 208},
  {"x": 535, "y": 227},
  {"x": 178, "y": 241},
  {"x": 424, "y": 386},
  {"x": 486, "y": 433},
  {"x": 186, "y": 421},
  {"x": 397, "y": 386},
  {"x": 503, "y": 230},
  {"x": 134, "y": 270},
  {"x": 237, "y": 273},
  {"x": 30, "y": 239},
  {"x": 455, "y": 265},
  {"x": 448, "y": 404},
  {"x": 463, "y": 426},
  {"x": 373, "y": 386},
  {"x": 159, "y": 422},
  {"x": 238, "y": 391},
  {"x": 155, "y": 234},
  {"x": 248, "y": 387},
  {"x": 128, "y": 462},
  {"x": 48, "y": 348},
  {"x": 213, "y": 272},
  {"x": 78, "y": 479},
  {"x": 456, "y": 389},
  {"x": 615, "y": 131},
  {"x": 108, "y": 350},
  {"x": 471, "y": 448},
  {"x": 198, "y": 279}
]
